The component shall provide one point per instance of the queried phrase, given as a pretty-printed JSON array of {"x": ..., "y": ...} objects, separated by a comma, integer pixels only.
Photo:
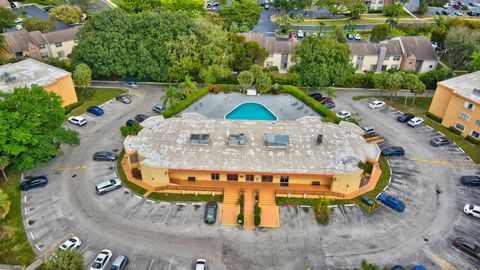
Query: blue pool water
[{"x": 251, "y": 111}]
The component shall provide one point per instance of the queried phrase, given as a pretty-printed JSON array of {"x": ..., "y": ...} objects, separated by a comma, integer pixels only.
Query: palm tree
[
  {"x": 331, "y": 92},
  {"x": 172, "y": 96},
  {"x": 188, "y": 87},
  {"x": 4, "y": 162},
  {"x": 66, "y": 260},
  {"x": 285, "y": 22},
  {"x": 4, "y": 204},
  {"x": 4, "y": 55},
  {"x": 320, "y": 25}
]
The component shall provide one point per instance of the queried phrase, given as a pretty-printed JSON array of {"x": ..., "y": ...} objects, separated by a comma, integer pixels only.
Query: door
[{"x": 284, "y": 181}]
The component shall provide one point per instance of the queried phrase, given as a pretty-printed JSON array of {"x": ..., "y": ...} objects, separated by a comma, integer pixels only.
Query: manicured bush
[
  {"x": 240, "y": 218},
  {"x": 312, "y": 103},
  {"x": 434, "y": 117},
  {"x": 270, "y": 69},
  {"x": 366, "y": 167},
  {"x": 130, "y": 130},
  {"x": 73, "y": 106},
  {"x": 454, "y": 130},
  {"x": 230, "y": 88},
  {"x": 472, "y": 140},
  {"x": 256, "y": 220},
  {"x": 291, "y": 79},
  {"x": 180, "y": 106},
  {"x": 360, "y": 80}
]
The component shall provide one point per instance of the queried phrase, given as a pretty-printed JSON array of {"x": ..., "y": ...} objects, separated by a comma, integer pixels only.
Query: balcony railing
[{"x": 309, "y": 192}]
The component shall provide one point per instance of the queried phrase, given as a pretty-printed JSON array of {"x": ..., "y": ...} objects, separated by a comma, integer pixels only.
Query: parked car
[
  {"x": 324, "y": 100},
  {"x": 201, "y": 264},
  {"x": 48, "y": 8},
  {"x": 391, "y": 202},
  {"x": 210, "y": 216},
  {"x": 357, "y": 37},
  {"x": 158, "y": 108},
  {"x": 132, "y": 84},
  {"x": 366, "y": 200},
  {"x": 33, "y": 182},
  {"x": 316, "y": 96},
  {"x": 472, "y": 210},
  {"x": 393, "y": 151},
  {"x": 444, "y": 12},
  {"x": 105, "y": 156},
  {"x": 130, "y": 122},
  {"x": 141, "y": 117},
  {"x": 470, "y": 180},
  {"x": 405, "y": 117},
  {"x": 418, "y": 267},
  {"x": 18, "y": 20},
  {"x": 95, "y": 110},
  {"x": 77, "y": 120},
  {"x": 369, "y": 129},
  {"x": 119, "y": 263},
  {"x": 376, "y": 104},
  {"x": 108, "y": 185},
  {"x": 124, "y": 99},
  {"x": 72, "y": 243},
  {"x": 416, "y": 121},
  {"x": 439, "y": 141},
  {"x": 471, "y": 13},
  {"x": 458, "y": 13},
  {"x": 300, "y": 34},
  {"x": 329, "y": 105},
  {"x": 467, "y": 247},
  {"x": 343, "y": 114},
  {"x": 102, "y": 259},
  {"x": 397, "y": 267},
  {"x": 307, "y": 34},
  {"x": 349, "y": 36}
]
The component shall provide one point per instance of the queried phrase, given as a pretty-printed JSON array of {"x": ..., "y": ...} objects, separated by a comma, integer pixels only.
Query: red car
[
  {"x": 326, "y": 100},
  {"x": 293, "y": 34}
]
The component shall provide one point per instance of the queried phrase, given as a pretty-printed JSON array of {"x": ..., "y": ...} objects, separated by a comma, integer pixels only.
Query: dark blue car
[
  {"x": 391, "y": 202},
  {"x": 33, "y": 182},
  {"x": 95, "y": 110},
  {"x": 393, "y": 151}
]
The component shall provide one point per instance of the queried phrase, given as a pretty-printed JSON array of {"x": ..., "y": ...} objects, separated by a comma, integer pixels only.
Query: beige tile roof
[
  {"x": 62, "y": 35},
  {"x": 271, "y": 44},
  {"x": 418, "y": 46},
  {"x": 393, "y": 48}
]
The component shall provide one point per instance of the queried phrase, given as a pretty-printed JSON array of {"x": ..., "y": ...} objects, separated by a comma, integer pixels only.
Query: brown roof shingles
[
  {"x": 62, "y": 35},
  {"x": 393, "y": 48},
  {"x": 18, "y": 41},
  {"x": 271, "y": 44},
  {"x": 420, "y": 47}
]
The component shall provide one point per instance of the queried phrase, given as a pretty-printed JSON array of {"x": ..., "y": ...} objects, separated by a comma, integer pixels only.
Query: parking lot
[
  {"x": 32, "y": 11},
  {"x": 450, "y": 10}
]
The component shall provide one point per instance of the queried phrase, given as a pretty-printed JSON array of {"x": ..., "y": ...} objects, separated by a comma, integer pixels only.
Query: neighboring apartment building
[
  {"x": 29, "y": 72},
  {"x": 378, "y": 4},
  {"x": 280, "y": 51},
  {"x": 57, "y": 44},
  {"x": 457, "y": 101},
  {"x": 305, "y": 154},
  {"x": 405, "y": 53}
]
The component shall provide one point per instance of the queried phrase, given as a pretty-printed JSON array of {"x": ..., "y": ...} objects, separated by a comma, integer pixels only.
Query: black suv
[
  {"x": 33, "y": 182},
  {"x": 405, "y": 117},
  {"x": 316, "y": 96},
  {"x": 105, "y": 156},
  {"x": 393, "y": 151},
  {"x": 470, "y": 180},
  {"x": 467, "y": 247},
  {"x": 210, "y": 213},
  {"x": 141, "y": 117}
]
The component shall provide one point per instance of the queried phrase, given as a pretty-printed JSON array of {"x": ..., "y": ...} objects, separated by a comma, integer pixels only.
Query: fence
[{"x": 310, "y": 192}]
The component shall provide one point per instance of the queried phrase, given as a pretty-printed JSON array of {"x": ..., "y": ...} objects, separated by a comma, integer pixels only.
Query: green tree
[
  {"x": 187, "y": 86},
  {"x": 263, "y": 84},
  {"x": 439, "y": 34},
  {"x": 338, "y": 34},
  {"x": 350, "y": 26},
  {"x": 334, "y": 6},
  {"x": 82, "y": 76},
  {"x": 369, "y": 266},
  {"x": 320, "y": 26},
  {"x": 285, "y": 23},
  {"x": 380, "y": 82},
  {"x": 66, "y": 13},
  {"x": 380, "y": 32},
  {"x": 35, "y": 24},
  {"x": 31, "y": 125},
  {"x": 392, "y": 21},
  {"x": 257, "y": 71},
  {"x": 418, "y": 90},
  {"x": 65, "y": 260},
  {"x": 322, "y": 211},
  {"x": 298, "y": 19},
  {"x": 214, "y": 74},
  {"x": 331, "y": 92},
  {"x": 241, "y": 13},
  {"x": 323, "y": 62},
  {"x": 394, "y": 82},
  {"x": 138, "y": 6},
  {"x": 460, "y": 44},
  {"x": 245, "y": 54},
  {"x": 7, "y": 19},
  {"x": 475, "y": 62},
  {"x": 394, "y": 10},
  {"x": 245, "y": 79},
  {"x": 410, "y": 82},
  {"x": 4, "y": 162},
  {"x": 423, "y": 8},
  {"x": 4, "y": 204},
  {"x": 4, "y": 54},
  {"x": 85, "y": 5},
  {"x": 356, "y": 8},
  {"x": 171, "y": 97}
]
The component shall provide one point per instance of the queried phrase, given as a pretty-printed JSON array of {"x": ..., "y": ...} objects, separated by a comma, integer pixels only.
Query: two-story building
[
  {"x": 57, "y": 44},
  {"x": 457, "y": 102}
]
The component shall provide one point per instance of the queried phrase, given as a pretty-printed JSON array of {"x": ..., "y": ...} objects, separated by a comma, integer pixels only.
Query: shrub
[
  {"x": 454, "y": 130},
  {"x": 322, "y": 214},
  {"x": 414, "y": 28},
  {"x": 291, "y": 79},
  {"x": 180, "y": 106},
  {"x": 240, "y": 218},
  {"x": 256, "y": 220},
  {"x": 73, "y": 106},
  {"x": 366, "y": 167},
  {"x": 300, "y": 95},
  {"x": 270, "y": 69},
  {"x": 360, "y": 80},
  {"x": 430, "y": 78},
  {"x": 230, "y": 88},
  {"x": 241, "y": 200},
  {"x": 472, "y": 140},
  {"x": 434, "y": 117},
  {"x": 88, "y": 94},
  {"x": 257, "y": 210},
  {"x": 130, "y": 130},
  {"x": 214, "y": 89}
]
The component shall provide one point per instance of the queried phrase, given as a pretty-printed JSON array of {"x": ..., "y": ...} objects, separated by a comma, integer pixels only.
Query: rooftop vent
[
  {"x": 319, "y": 139},
  {"x": 199, "y": 139},
  {"x": 278, "y": 141},
  {"x": 237, "y": 139},
  {"x": 476, "y": 91}
]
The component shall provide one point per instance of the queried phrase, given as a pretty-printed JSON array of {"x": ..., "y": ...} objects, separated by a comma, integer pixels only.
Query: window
[
  {"x": 249, "y": 177},
  {"x": 394, "y": 66},
  {"x": 284, "y": 181},
  {"x": 191, "y": 179},
  {"x": 477, "y": 123},
  {"x": 396, "y": 58},
  {"x": 58, "y": 44},
  {"x": 232, "y": 177},
  {"x": 41, "y": 47},
  {"x": 475, "y": 134},
  {"x": 267, "y": 178},
  {"x": 373, "y": 67},
  {"x": 360, "y": 57},
  {"x": 215, "y": 176},
  {"x": 469, "y": 106},
  {"x": 384, "y": 67},
  {"x": 431, "y": 66},
  {"x": 358, "y": 67},
  {"x": 386, "y": 58},
  {"x": 459, "y": 126},
  {"x": 380, "y": 2},
  {"x": 61, "y": 54},
  {"x": 464, "y": 116},
  {"x": 44, "y": 55},
  {"x": 19, "y": 54},
  {"x": 133, "y": 158}
]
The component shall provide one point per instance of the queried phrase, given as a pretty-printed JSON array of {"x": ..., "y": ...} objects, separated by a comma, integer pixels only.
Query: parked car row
[
  {"x": 410, "y": 119},
  {"x": 325, "y": 101},
  {"x": 351, "y": 36}
]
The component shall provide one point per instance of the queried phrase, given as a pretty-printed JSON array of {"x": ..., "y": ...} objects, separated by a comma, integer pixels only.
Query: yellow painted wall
[
  {"x": 65, "y": 89},
  {"x": 440, "y": 101},
  {"x": 155, "y": 177},
  {"x": 346, "y": 183}
]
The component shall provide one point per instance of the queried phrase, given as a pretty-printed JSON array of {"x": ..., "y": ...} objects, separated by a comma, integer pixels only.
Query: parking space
[{"x": 467, "y": 8}]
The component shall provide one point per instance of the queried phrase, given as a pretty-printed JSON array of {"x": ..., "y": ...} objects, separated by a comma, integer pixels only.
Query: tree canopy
[
  {"x": 65, "y": 260},
  {"x": 84, "y": 5},
  {"x": 7, "y": 19},
  {"x": 241, "y": 16},
  {"x": 66, "y": 13},
  {"x": 161, "y": 46},
  {"x": 245, "y": 54},
  {"x": 82, "y": 76},
  {"x": 138, "y": 6},
  {"x": 380, "y": 32},
  {"x": 460, "y": 44},
  {"x": 31, "y": 129},
  {"x": 323, "y": 62},
  {"x": 35, "y": 24}
]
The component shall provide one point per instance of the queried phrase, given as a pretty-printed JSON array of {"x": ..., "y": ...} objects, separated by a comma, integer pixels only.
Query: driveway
[
  {"x": 32, "y": 11},
  {"x": 157, "y": 235}
]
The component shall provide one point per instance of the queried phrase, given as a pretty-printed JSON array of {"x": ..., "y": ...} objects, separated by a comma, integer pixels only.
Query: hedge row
[
  {"x": 434, "y": 117},
  {"x": 454, "y": 130},
  {"x": 180, "y": 106},
  {"x": 73, "y": 106},
  {"x": 472, "y": 140},
  {"x": 328, "y": 115}
]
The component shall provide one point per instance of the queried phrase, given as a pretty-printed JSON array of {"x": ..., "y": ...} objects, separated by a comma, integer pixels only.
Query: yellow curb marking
[
  {"x": 430, "y": 161},
  {"x": 83, "y": 166}
]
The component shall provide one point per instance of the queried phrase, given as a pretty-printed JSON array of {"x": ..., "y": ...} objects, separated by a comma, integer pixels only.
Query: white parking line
[
  {"x": 185, "y": 217},
  {"x": 164, "y": 203},
  {"x": 126, "y": 190},
  {"x": 151, "y": 263},
  {"x": 25, "y": 210},
  {"x": 31, "y": 234},
  {"x": 429, "y": 127},
  {"x": 39, "y": 249},
  {"x": 150, "y": 201},
  {"x": 461, "y": 149},
  {"x": 165, "y": 220},
  {"x": 170, "y": 265},
  {"x": 136, "y": 196},
  {"x": 352, "y": 204},
  {"x": 181, "y": 204},
  {"x": 25, "y": 198},
  {"x": 299, "y": 217}
]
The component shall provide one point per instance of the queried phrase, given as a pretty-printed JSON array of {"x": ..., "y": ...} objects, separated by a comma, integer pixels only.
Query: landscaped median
[{"x": 91, "y": 97}]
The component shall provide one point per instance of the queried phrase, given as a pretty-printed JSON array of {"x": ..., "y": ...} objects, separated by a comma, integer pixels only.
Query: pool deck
[{"x": 218, "y": 105}]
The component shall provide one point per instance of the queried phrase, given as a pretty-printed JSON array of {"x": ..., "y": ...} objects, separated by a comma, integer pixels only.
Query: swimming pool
[{"x": 251, "y": 111}]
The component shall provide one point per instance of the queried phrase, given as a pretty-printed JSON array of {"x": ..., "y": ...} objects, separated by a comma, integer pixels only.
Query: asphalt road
[{"x": 167, "y": 236}]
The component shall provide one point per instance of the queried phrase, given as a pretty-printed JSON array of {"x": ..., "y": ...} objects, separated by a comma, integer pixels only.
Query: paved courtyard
[{"x": 285, "y": 107}]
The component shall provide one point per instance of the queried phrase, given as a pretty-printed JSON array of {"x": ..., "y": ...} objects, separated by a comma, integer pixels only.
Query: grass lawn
[
  {"x": 100, "y": 96},
  {"x": 14, "y": 245},
  {"x": 420, "y": 107},
  {"x": 40, "y": 2},
  {"x": 382, "y": 183},
  {"x": 178, "y": 197},
  {"x": 125, "y": 182}
]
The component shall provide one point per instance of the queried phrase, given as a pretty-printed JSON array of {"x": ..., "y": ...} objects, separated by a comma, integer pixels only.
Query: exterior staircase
[{"x": 230, "y": 208}]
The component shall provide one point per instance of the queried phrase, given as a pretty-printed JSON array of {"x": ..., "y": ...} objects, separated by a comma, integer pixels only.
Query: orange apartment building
[
  {"x": 29, "y": 72},
  {"x": 457, "y": 101}
]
